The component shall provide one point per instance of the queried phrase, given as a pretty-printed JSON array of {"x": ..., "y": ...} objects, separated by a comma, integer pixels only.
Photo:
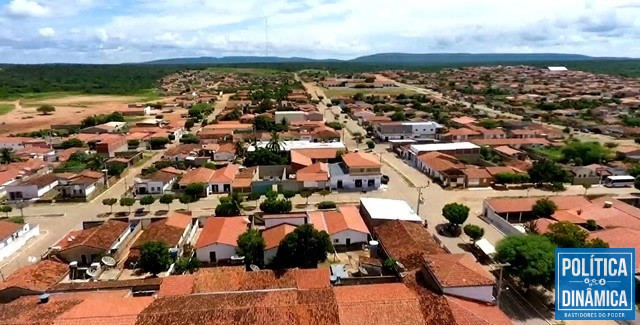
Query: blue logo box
[{"x": 595, "y": 283}]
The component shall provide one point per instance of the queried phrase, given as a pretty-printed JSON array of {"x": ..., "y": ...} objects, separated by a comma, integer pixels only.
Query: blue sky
[{"x": 114, "y": 31}]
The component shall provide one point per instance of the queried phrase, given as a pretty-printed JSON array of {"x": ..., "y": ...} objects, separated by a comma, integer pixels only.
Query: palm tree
[
  {"x": 240, "y": 149},
  {"x": 275, "y": 144},
  {"x": 97, "y": 162},
  {"x": 7, "y": 156}
]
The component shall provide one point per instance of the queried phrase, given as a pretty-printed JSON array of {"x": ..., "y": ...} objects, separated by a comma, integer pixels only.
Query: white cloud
[
  {"x": 47, "y": 32},
  {"x": 26, "y": 8},
  {"x": 137, "y": 30}
]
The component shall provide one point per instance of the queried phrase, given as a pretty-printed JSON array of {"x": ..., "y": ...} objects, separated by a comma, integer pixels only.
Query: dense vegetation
[
  {"x": 136, "y": 79},
  {"x": 88, "y": 79}
]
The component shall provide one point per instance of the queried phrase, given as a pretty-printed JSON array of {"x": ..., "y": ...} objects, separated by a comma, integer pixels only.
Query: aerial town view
[{"x": 236, "y": 172}]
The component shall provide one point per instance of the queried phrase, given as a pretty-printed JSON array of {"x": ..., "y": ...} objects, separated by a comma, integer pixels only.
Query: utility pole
[
  {"x": 419, "y": 198},
  {"x": 502, "y": 266}
]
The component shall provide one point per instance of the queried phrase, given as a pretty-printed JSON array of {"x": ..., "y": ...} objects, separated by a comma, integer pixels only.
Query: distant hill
[
  {"x": 394, "y": 58},
  {"x": 230, "y": 60}
]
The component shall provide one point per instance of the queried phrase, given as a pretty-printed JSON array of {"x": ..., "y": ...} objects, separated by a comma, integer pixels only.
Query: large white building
[
  {"x": 377, "y": 211},
  {"x": 453, "y": 149},
  {"x": 301, "y": 144},
  {"x": 408, "y": 130}
]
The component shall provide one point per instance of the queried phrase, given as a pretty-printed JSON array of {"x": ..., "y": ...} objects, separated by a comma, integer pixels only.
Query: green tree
[
  {"x": 254, "y": 197},
  {"x": 147, "y": 201},
  {"x": 186, "y": 200},
  {"x": 127, "y": 202},
  {"x": 154, "y": 257},
  {"x": 96, "y": 162},
  {"x": 167, "y": 199},
  {"x": 306, "y": 194},
  {"x": 288, "y": 194},
  {"x": 455, "y": 213},
  {"x": 474, "y": 232},
  {"x": 371, "y": 144},
  {"x": 275, "y": 144},
  {"x": 544, "y": 208},
  {"x": 327, "y": 205},
  {"x": 567, "y": 235},
  {"x": 189, "y": 138},
  {"x": 72, "y": 143},
  {"x": 546, "y": 171},
  {"x": 305, "y": 247},
  {"x": 398, "y": 116},
  {"x": 186, "y": 265},
  {"x": 195, "y": 190},
  {"x": 239, "y": 149},
  {"x": 6, "y": 209},
  {"x": 189, "y": 124},
  {"x": 7, "y": 156},
  {"x": 210, "y": 165},
  {"x": 531, "y": 258},
  {"x": 276, "y": 206},
  {"x": 251, "y": 246},
  {"x": 262, "y": 156},
  {"x": 158, "y": 142},
  {"x": 324, "y": 193},
  {"x": 110, "y": 202},
  {"x": 133, "y": 143},
  {"x": 227, "y": 208},
  {"x": 588, "y": 152},
  {"x": 46, "y": 109},
  {"x": 586, "y": 186}
]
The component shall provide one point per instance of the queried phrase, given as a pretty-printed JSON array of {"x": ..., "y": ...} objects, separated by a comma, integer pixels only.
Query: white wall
[
  {"x": 9, "y": 245},
  {"x": 355, "y": 236},
  {"x": 349, "y": 182},
  {"x": 223, "y": 156},
  {"x": 152, "y": 187},
  {"x": 291, "y": 116},
  {"x": 220, "y": 187},
  {"x": 481, "y": 293},
  {"x": 268, "y": 223},
  {"x": 502, "y": 225},
  {"x": 47, "y": 188},
  {"x": 28, "y": 191},
  {"x": 223, "y": 252}
]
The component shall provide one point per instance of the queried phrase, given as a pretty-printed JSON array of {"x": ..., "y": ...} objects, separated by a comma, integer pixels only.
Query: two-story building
[
  {"x": 408, "y": 130},
  {"x": 357, "y": 171}
]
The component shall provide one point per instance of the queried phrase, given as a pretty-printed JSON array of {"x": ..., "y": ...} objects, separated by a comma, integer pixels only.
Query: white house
[
  {"x": 291, "y": 116},
  {"x": 218, "y": 239},
  {"x": 345, "y": 226},
  {"x": 13, "y": 236},
  {"x": 32, "y": 188},
  {"x": 358, "y": 171},
  {"x": 158, "y": 182},
  {"x": 408, "y": 130},
  {"x": 459, "y": 275},
  {"x": 81, "y": 185}
]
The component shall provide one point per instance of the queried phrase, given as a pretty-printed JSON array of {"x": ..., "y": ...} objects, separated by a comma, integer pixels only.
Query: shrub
[{"x": 327, "y": 205}]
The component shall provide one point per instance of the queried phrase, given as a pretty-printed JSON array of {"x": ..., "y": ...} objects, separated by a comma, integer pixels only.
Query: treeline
[{"x": 16, "y": 80}]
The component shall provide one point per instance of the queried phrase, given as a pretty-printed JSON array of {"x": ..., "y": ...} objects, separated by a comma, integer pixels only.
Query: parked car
[{"x": 385, "y": 179}]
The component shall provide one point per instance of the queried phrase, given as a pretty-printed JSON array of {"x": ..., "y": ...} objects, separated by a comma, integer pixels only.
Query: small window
[{"x": 336, "y": 241}]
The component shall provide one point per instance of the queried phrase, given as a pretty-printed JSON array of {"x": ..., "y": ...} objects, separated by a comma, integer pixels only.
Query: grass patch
[
  {"x": 148, "y": 95},
  {"x": 552, "y": 153},
  {"x": 6, "y": 108},
  {"x": 45, "y": 96},
  {"x": 341, "y": 91},
  {"x": 256, "y": 71}
]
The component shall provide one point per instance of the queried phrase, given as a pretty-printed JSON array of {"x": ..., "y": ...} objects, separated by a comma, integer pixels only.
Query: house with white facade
[
  {"x": 345, "y": 226},
  {"x": 175, "y": 231},
  {"x": 408, "y": 130},
  {"x": 32, "y": 188},
  {"x": 377, "y": 211},
  {"x": 157, "y": 182},
  {"x": 218, "y": 239},
  {"x": 14, "y": 236},
  {"x": 218, "y": 181},
  {"x": 357, "y": 171},
  {"x": 81, "y": 186}
]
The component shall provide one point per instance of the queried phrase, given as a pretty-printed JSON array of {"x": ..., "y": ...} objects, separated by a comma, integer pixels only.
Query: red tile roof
[
  {"x": 222, "y": 230},
  {"x": 440, "y": 162},
  {"x": 468, "y": 312},
  {"x": 168, "y": 230},
  {"x": 225, "y": 175},
  {"x": 37, "y": 277},
  {"x": 525, "y": 204},
  {"x": 407, "y": 242},
  {"x": 96, "y": 310},
  {"x": 101, "y": 237},
  {"x": 620, "y": 238},
  {"x": 457, "y": 270},
  {"x": 346, "y": 218},
  {"x": 360, "y": 159},
  {"x": 198, "y": 175},
  {"x": 8, "y": 228},
  {"x": 316, "y": 172},
  {"x": 176, "y": 285},
  {"x": 274, "y": 235}
]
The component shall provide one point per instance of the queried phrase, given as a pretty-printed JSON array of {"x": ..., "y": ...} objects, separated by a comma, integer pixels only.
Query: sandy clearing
[{"x": 70, "y": 109}]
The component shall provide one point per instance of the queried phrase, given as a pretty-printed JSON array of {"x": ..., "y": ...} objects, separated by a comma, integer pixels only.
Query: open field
[
  {"x": 70, "y": 108},
  {"x": 6, "y": 108},
  {"x": 342, "y": 91}
]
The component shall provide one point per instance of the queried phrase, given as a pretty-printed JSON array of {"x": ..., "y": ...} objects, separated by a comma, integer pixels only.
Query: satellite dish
[
  {"x": 254, "y": 267},
  {"x": 32, "y": 259},
  {"x": 363, "y": 271},
  {"x": 92, "y": 272},
  {"x": 109, "y": 261}
]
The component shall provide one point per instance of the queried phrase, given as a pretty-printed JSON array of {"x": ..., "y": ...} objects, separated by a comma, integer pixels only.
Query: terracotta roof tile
[
  {"x": 225, "y": 175},
  {"x": 168, "y": 230},
  {"x": 198, "y": 175},
  {"x": 457, "y": 270},
  {"x": 620, "y": 238},
  {"x": 97, "y": 310},
  {"x": 37, "y": 277},
  {"x": 360, "y": 159},
  {"x": 440, "y": 162},
  {"x": 8, "y": 228},
  {"x": 321, "y": 153},
  {"x": 101, "y": 237},
  {"x": 28, "y": 310},
  {"x": 316, "y": 172},
  {"x": 468, "y": 312},
  {"x": 407, "y": 242},
  {"x": 222, "y": 230},
  {"x": 346, "y": 218},
  {"x": 274, "y": 235},
  {"x": 176, "y": 285},
  {"x": 506, "y": 204}
]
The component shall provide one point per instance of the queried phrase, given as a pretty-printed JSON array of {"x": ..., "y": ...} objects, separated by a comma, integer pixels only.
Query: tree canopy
[
  {"x": 305, "y": 247},
  {"x": 567, "y": 235},
  {"x": 531, "y": 258},
  {"x": 544, "y": 208},
  {"x": 251, "y": 246},
  {"x": 547, "y": 171},
  {"x": 474, "y": 232},
  {"x": 455, "y": 213},
  {"x": 262, "y": 156},
  {"x": 586, "y": 152},
  {"x": 154, "y": 257}
]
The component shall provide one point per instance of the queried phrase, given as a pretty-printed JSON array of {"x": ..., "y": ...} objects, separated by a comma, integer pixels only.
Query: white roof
[
  {"x": 386, "y": 209},
  {"x": 486, "y": 247},
  {"x": 302, "y": 144},
  {"x": 557, "y": 68},
  {"x": 417, "y": 148},
  {"x": 422, "y": 123},
  {"x": 115, "y": 124},
  {"x": 621, "y": 178}
]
